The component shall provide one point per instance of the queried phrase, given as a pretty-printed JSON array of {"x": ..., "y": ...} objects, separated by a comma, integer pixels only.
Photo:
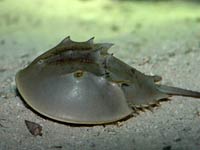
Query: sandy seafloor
[{"x": 170, "y": 49}]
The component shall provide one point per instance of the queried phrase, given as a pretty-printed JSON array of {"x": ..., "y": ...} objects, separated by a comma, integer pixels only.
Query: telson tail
[{"x": 177, "y": 91}]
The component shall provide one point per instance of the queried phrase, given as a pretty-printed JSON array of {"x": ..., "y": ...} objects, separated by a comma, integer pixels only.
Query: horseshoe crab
[{"x": 81, "y": 83}]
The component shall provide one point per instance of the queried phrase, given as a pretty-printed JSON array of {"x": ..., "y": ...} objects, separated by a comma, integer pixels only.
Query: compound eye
[{"x": 78, "y": 74}]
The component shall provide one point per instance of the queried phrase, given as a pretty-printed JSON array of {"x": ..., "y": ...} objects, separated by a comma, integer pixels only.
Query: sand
[{"x": 170, "y": 49}]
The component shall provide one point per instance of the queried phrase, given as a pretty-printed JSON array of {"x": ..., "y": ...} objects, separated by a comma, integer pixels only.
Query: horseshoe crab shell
[{"x": 80, "y": 82}]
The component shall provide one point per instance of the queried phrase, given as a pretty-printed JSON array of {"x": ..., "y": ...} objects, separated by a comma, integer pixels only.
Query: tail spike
[{"x": 177, "y": 91}]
